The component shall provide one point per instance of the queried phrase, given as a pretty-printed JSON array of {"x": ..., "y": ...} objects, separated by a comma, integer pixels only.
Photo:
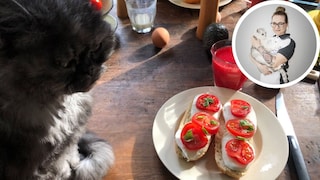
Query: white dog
[{"x": 271, "y": 46}]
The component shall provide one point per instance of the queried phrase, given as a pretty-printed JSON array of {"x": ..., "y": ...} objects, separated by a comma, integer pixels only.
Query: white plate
[
  {"x": 270, "y": 140},
  {"x": 195, "y": 6}
]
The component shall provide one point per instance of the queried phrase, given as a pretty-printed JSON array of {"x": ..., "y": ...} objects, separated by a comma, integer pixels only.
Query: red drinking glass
[{"x": 225, "y": 70}]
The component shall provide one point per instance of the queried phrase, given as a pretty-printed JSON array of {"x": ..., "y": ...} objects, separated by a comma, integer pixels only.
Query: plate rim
[{"x": 285, "y": 148}]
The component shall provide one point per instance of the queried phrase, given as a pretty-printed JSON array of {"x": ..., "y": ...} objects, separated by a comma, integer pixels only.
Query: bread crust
[
  {"x": 218, "y": 153},
  {"x": 183, "y": 119}
]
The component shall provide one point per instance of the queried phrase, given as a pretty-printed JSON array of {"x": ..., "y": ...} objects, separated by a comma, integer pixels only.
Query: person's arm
[
  {"x": 278, "y": 60},
  {"x": 264, "y": 69},
  {"x": 284, "y": 54},
  {"x": 265, "y": 54}
]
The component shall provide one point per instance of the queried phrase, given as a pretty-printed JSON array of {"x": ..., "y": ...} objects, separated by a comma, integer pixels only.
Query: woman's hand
[
  {"x": 264, "y": 69},
  {"x": 278, "y": 60}
]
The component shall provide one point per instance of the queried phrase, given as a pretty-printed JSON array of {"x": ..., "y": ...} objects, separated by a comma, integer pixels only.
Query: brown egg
[{"x": 160, "y": 37}]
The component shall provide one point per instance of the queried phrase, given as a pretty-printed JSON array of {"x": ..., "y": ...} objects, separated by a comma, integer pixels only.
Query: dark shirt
[
  {"x": 288, "y": 50},
  {"x": 288, "y": 53}
]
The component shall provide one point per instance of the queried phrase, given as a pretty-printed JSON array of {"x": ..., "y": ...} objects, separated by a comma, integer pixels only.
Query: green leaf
[
  {"x": 246, "y": 125},
  {"x": 188, "y": 137},
  {"x": 212, "y": 122},
  {"x": 207, "y": 102},
  {"x": 241, "y": 138},
  {"x": 205, "y": 131},
  {"x": 244, "y": 107}
]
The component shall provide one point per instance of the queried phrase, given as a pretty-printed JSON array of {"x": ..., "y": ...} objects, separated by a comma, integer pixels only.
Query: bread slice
[
  {"x": 218, "y": 154},
  {"x": 191, "y": 155},
  {"x": 218, "y": 147},
  {"x": 184, "y": 118}
]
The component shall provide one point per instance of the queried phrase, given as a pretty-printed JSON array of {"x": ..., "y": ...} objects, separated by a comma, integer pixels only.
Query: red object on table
[
  {"x": 226, "y": 73},
  {"x": 97, "y": 4},
  {"x": 254, "y": 2}
]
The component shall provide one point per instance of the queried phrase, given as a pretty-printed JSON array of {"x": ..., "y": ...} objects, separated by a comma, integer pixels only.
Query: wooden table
[{"x": 140, "y": 78}]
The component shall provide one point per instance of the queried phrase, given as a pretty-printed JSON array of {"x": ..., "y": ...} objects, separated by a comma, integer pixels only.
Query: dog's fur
[{"x": 51, "y": 53}]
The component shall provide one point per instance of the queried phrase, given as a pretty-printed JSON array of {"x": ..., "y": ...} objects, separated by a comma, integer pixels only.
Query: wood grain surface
[{"x": 140, "y": 78}]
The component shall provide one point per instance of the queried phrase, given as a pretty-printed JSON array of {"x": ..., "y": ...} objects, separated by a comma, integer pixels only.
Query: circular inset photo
[{"x": 276, "y": 44}]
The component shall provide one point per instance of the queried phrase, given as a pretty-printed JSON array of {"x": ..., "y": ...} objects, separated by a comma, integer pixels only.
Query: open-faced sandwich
[
  {"x": 197, "y": 126},
  {"x": 234, "y": 151}
]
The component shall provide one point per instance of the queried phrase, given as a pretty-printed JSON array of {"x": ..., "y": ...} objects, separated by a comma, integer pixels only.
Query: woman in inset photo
[{"x": 271, "y": 54}]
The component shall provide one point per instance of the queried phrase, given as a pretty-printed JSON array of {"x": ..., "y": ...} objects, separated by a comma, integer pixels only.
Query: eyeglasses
[{"x": 280, "y": 24}]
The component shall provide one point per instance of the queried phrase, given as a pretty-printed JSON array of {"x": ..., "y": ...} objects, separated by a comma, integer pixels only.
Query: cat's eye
[
  {"x": 66, "y": 64},
  {"x": 95, "y": 52},
  {"x": 98, "y": 47}
]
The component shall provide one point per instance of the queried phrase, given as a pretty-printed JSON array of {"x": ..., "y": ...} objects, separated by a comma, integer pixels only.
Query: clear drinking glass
[{"x": 141, "y": 14}]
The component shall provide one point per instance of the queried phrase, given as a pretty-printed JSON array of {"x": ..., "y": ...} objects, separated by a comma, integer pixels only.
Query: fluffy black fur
[{"x": 51, "y": 53}]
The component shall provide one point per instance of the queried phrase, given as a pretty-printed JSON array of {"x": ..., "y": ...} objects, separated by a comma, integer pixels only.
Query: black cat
[{"x": 51, "y": 54}]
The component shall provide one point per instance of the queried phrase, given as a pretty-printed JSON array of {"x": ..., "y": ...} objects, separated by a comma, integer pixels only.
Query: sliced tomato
[
  {"x": 240, "y": 108},
  {"x": 241, "y": 127},
  {"x": 97, "y": 4},
  {"x": 193, "y": 137},
  {"x": 208, "y": 102},
  {"x": 207, "y": 121},
  {"x": 240, "y": 150}
]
